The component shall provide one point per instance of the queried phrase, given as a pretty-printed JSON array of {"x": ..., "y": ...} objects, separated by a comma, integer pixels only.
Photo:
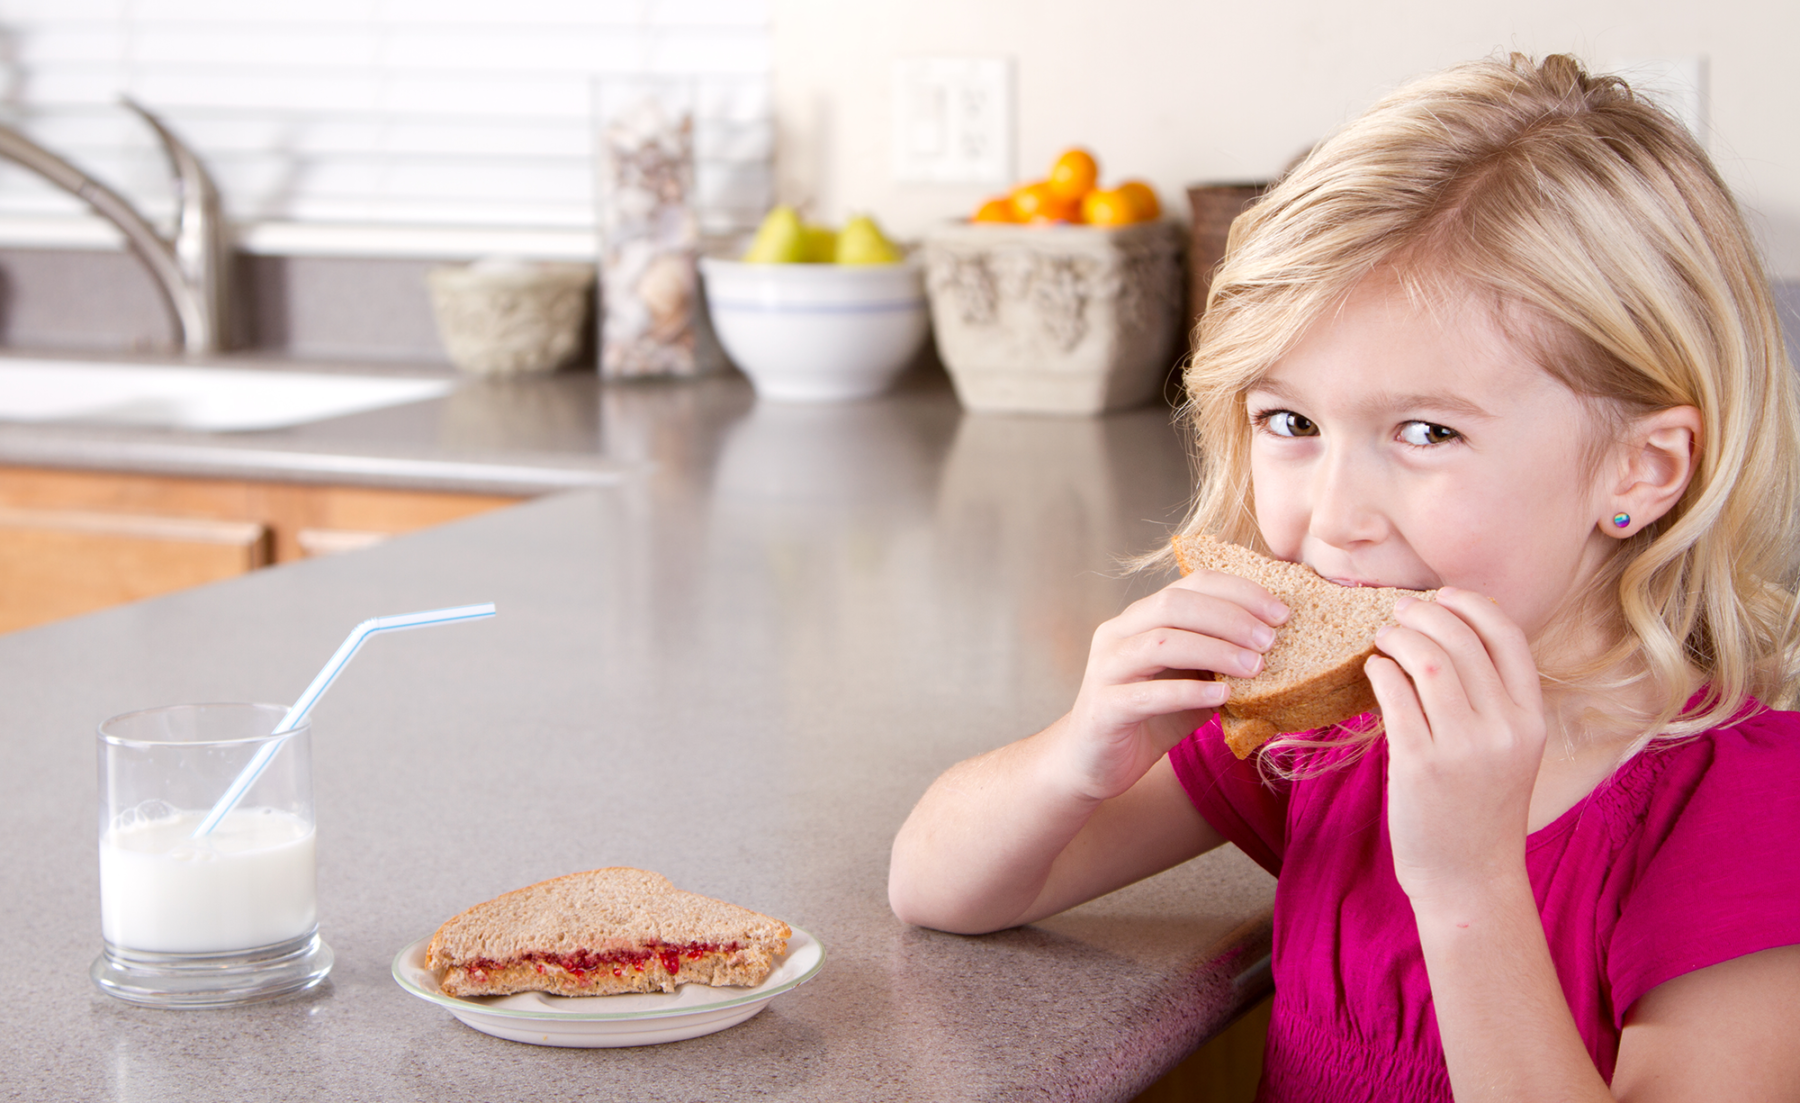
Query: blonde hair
[{"x": 1609, "y": 248}]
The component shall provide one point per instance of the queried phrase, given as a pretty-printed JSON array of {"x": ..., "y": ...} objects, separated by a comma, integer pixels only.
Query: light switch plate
[
  {"x": 1677, "y": 84},
  {"x": 953, "y": 120}
]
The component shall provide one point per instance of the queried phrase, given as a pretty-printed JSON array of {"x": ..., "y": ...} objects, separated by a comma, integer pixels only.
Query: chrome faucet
[{"x": 193, "y": 267}]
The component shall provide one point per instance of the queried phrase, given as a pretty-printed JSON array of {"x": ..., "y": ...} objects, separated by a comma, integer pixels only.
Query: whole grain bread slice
[
  {"x": 1312, "y": 676},
  {"x": 603, "y": 932}
]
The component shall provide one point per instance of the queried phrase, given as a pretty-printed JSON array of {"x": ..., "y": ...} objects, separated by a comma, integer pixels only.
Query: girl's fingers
[
  {"x": 1454, "y": 644},
  {"x": 1504, "y": 641},
  {"x": 1208, "y": 602},
  {"x": 1436, "y": 678},
  {"x": 1150, "y": 653},
  {"x": 1401, "y": 714},
  {"x": 1161, "y": 696},
  {"x": 1241, "y": 591}
]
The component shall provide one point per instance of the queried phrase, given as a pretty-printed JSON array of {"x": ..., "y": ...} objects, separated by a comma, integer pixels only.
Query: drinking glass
[{"x": 209, "y": 920}]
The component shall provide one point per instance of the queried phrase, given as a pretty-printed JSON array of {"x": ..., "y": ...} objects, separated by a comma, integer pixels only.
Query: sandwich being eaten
[
  {"x": 601, "y": 933},
  {"x": 1312, "y": 676}
]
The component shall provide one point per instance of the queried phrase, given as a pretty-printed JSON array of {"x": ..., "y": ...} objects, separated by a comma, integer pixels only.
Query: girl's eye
[
  {"x": 1423, "y": 433},
  {"x": 1286, "y": 423}
]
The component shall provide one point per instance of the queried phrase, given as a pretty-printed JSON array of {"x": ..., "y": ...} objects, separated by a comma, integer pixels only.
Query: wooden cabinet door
[
  {"x": 58, "y": 563},
  {"x": 75, "y": 541}
]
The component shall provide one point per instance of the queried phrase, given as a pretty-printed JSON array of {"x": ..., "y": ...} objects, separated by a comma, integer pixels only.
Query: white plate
[{"x": 633, "y": 1019}]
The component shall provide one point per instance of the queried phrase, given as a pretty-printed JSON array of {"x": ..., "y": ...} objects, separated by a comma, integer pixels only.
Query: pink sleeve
[
  {"x": 1232, "y": 795},
  {"x": 1717, "y": 869}
]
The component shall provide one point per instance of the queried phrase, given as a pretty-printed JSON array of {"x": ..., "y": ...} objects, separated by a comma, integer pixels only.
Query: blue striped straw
[{"x": 333, "y": 667}]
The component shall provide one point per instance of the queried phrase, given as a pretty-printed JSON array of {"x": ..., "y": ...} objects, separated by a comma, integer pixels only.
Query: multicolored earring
[{"x": 1621, "y": 520}]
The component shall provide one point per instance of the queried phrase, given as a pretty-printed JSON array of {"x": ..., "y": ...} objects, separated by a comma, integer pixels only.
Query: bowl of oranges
[
  {"x": 1071, "y": 195},
  {"x": 1060, "y": 297}
]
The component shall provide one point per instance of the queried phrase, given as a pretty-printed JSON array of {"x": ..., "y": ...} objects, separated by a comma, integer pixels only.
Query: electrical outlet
[
  {"x": 1677, "y": 84},
  {"x": 953, "y": 120}
]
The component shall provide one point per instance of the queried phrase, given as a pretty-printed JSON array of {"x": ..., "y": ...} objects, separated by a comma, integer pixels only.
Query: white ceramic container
[{"x": 817, "y": 332}]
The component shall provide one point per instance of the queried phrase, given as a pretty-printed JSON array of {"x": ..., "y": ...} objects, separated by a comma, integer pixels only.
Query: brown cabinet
[{"x": 75, "y": 541}]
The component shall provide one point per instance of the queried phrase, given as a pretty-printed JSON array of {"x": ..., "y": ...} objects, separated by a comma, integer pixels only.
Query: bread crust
[
  {"x": 1329, "y": 687},
  {"x": 603, "y": 932}
]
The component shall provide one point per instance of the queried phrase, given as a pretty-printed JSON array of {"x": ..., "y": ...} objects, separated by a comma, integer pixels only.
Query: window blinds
[{"x": 375, "y": 126}]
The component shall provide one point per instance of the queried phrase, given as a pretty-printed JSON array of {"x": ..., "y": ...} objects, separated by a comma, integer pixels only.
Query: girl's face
[{"x": 1399, "y": 446}]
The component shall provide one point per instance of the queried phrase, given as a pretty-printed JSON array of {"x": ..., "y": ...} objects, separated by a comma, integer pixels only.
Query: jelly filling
[{"x": 582, "y": 963}]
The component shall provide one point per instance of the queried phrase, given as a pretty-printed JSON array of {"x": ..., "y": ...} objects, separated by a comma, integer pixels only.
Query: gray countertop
[{"x": 739, "y": 662}]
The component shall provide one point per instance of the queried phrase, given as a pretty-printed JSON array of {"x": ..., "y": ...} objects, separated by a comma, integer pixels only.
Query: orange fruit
[
  {"x": 996, "y": 210},
  {"x": 1038, "y": 202},
  {"x": 1074, "y": 174},
  {"x": 1143, "y": 197},
  {"x": 1108, "y": 207}
]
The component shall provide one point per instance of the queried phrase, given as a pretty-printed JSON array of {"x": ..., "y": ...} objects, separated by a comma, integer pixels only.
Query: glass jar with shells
[{"x": 648, "y": 233}]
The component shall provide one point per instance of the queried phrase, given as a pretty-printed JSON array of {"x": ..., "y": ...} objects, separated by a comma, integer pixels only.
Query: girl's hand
[
  {"x": 1465, "y": 729},
  {"x": 1141, "y": 694}
]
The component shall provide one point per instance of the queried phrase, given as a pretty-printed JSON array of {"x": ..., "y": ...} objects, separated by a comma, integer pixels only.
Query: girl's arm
[
  {"x": 1466, "y": 732},
  {"x": 1465, "y": 722},
  {"x": 1089, "y": 804},
  {"x": 1730, "y": 1031}
]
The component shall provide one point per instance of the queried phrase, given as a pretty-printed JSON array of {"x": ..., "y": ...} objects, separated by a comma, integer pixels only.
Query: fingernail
[
  {"x": 1250, "y": 661},
  {"x": 1216, "y": 692},
  {"x": 1403, "y": 603},
  {"x": 1263, "y": 637},
  {"x": 1382, "y": 631},
  {"x": 1279, "y": 613},
  {"x": 1443, "y": 590}
]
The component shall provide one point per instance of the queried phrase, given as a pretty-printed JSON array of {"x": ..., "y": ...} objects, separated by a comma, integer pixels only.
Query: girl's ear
[{"x": 1656, "y": 464}]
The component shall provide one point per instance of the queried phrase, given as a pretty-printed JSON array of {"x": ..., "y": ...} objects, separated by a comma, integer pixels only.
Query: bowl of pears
[{"x": 816, "y": 314}]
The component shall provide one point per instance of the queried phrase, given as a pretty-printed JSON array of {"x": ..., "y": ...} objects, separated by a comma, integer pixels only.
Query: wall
[{"x": 1182, "y": 92}]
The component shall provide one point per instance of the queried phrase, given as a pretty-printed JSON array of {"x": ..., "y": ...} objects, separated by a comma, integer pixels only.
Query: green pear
[
  {"x": 862, "y": 242},
  {"x": 821, "y": 244},
  {"x": 779, "y": 240}
]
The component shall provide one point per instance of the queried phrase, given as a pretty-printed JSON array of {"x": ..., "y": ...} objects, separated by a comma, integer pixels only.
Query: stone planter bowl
[
  {"x": 511, "y": 318},
  {"x": 1055, "y": 319}
]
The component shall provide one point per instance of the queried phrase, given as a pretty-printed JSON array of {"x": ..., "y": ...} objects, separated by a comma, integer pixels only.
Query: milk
[{"x": 248, "y": 883}]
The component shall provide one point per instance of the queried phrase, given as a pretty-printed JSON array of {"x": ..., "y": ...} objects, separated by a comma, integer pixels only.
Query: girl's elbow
[
  {"x": 902, "y": 903},
  {"x": 915, "y": 905},
  {"x": 909, "y": 899}
]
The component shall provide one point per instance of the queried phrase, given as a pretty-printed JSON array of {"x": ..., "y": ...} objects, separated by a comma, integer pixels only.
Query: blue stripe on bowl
[{"x": 817, "y": 308}]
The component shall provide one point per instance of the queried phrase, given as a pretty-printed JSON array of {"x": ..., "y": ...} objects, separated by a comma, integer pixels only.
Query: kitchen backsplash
[
  {"x": 316, "y": 308},
  {"x": 307, "y": 307}
]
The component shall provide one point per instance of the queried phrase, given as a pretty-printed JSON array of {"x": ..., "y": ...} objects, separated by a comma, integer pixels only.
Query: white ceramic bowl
[{"x": 817, "y": 332}]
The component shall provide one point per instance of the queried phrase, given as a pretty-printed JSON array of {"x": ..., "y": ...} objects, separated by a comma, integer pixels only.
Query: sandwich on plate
[{"x": 601, "y": 933}]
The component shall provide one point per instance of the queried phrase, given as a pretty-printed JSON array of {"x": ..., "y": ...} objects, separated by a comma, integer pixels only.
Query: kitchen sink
[{"x": 202, "y": 399}]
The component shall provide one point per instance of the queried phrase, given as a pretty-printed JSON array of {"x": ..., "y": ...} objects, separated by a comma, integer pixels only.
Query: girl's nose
[{"x": 1346, "y": 501}]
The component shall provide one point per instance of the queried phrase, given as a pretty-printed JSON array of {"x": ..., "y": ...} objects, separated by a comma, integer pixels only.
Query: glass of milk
[{"x": 206, "y": 920}]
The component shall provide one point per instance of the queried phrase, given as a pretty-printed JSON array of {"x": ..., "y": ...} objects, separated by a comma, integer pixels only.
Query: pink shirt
[{"x": 1687, "y": 857}]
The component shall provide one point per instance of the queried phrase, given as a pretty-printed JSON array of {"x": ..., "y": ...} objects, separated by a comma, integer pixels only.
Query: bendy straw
[{"x": 333, "y": 667}]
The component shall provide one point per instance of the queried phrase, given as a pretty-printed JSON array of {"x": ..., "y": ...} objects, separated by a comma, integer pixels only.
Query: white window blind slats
[
  {"x": 675, "y": 13},
  {"x": 379, "y": 113}
]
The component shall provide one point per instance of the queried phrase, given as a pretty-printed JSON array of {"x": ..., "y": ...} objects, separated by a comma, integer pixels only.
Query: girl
[{"x": 1505, "y": 337}]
